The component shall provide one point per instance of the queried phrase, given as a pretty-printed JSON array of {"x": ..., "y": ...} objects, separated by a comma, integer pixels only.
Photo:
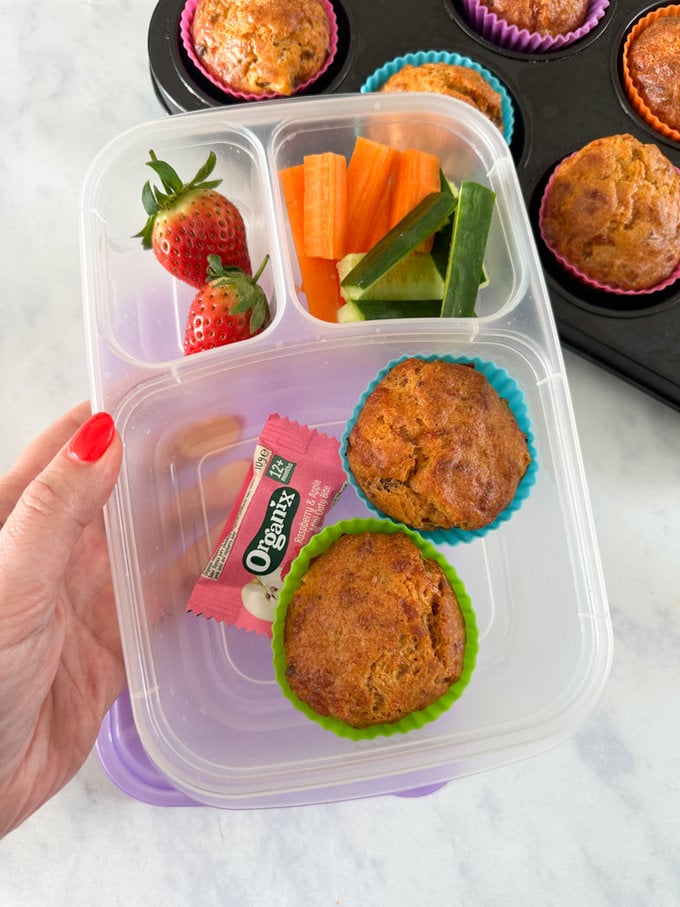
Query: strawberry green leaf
[
  {"x": 206, "y": 169},
  {"x": 145, "y": 234},
  {"x": 151, "y": 206},
  {"x": 168, "y": 175},
  {"x": 215, "y": 268},
  {"x": 249, "y": 295},
  {"x": 259, "y": 315}
]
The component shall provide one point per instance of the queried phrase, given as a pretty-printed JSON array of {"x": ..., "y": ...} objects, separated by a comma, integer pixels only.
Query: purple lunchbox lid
[{"x": 126, "y": 763}]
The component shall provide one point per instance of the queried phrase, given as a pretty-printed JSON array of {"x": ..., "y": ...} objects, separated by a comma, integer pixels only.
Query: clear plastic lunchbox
[{"x": 202, "y": 699}]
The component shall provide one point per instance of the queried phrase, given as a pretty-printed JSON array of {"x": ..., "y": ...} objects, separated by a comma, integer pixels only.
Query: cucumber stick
[
  {"x": 379, "y": 309},
  {"x": 442, "y": 238},
  {"x": 466, "y": 254},
  {"x": 416, "y": 276},
  {"x": 430, "y": 215}
]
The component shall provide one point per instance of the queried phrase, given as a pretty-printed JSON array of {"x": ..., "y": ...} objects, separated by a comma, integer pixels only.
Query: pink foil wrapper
[
  {"x": 185, "y": 21},
  {"x": 500, "y": 32},
  {"x": 295, "y": 477},
  {"x": 580, "y": 275}
]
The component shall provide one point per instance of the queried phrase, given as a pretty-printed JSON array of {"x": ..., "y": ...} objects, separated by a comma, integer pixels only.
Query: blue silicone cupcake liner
[
  {"x": 380, "y": 76},
  {"x": 509, "y": 390},
  {"x": 316, "y": 546}
]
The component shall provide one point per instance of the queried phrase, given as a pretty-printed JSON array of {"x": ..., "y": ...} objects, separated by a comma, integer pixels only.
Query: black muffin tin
[{"x": 562, "y": 100}]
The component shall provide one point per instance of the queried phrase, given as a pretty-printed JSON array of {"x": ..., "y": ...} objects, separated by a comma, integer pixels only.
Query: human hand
[{"x": 61, "y": 664}]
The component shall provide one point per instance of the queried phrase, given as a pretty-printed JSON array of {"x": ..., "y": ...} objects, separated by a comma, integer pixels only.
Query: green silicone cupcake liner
[
  {"x": 509, "y": 390},
  {"x": 316, "y": 546},
  {"x": 380, "y": 76}
]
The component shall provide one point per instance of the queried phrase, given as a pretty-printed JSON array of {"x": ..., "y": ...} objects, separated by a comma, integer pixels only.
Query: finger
[
  {"x": 193, "y": 533},
  {"x": 36, "y": 457},
  {"x": 204, "y": 438},
  {"x": 206, "y": 501},
  {"x": 38, "y": 539}
]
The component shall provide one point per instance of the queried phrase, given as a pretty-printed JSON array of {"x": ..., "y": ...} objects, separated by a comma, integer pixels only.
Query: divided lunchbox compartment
[
  {"x": 208, "y": 719},
  {"x": 562, "y": 100}
]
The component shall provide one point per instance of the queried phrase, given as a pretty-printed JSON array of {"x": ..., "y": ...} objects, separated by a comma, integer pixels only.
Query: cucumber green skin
[
  {"x": 379, "y": 309},
  {"x": 442, "y": 240},
  {"x": 446, "y": 186},
  {"x": 426, "y": 218},
  {"x": 466, "y": 255},
  {"x": 416, "y": 276}
]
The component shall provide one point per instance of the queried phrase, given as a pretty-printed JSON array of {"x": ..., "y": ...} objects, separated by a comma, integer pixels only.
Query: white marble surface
[{"x": 595, "y": 821}]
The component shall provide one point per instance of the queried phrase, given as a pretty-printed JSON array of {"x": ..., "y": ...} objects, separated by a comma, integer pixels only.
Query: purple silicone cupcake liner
[
  {"x": 503, "y": 34},
  {"x": 580, "y": 275},
  {"x": 375, "y": 81},
  {"x": 509, "y": 390},
  {"x": 185, "y": 23}
]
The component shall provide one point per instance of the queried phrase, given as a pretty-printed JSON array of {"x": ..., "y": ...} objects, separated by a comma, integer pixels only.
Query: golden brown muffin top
[
  {"x": 374, "y": 631},
  {"x": 613, "y": 211},
  {"x": 449, "y": 79},
  {"x": 435, "y": 446},
  {"x": 261, "y": 46},
  {"x": 547, "y": 17},
  {"x": 654, "y": 66}
]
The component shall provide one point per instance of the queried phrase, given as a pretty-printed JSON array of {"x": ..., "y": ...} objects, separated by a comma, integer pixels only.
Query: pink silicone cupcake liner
[
  {"x": 500, "y": 32},
  {"x": 636, "y": 100},
  {"x": 186, "y": 20},
  {"x": 584, "y": 278}
]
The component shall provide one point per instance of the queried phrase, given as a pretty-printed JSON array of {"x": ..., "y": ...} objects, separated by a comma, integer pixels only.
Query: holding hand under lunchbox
[{"x": 61, "y": 665}]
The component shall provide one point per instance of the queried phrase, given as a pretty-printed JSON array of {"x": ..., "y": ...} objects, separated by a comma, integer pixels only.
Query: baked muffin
[
  {"x": 612, "y": 212},
  {"x": 456, "y": 81},
  {"x": 373, "y": 631},
  {"x": 652, "y": 61},
  {"x": 436, "y": 447},
  {"x": 544, "y": 17},
  {"x": 261, "y": 46}
]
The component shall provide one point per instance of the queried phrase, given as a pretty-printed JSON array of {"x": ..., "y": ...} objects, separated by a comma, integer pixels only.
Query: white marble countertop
[{"x": 594, "y": 821}]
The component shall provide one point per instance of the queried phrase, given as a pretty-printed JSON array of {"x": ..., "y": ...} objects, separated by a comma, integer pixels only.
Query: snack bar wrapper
[{"x": 295, "y": 477}]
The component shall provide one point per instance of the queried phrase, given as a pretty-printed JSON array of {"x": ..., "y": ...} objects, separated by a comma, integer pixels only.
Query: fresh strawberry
[
  {"x": 230, "y": 307},
  {"x": 189, "y": 221}
]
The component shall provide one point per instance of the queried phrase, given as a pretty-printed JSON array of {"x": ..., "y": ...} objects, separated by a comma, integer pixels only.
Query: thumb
[{"x": 40, "y": 533}]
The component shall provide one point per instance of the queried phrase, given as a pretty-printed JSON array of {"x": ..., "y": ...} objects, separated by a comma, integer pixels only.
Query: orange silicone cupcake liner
[{"x": 636, "y": 100}]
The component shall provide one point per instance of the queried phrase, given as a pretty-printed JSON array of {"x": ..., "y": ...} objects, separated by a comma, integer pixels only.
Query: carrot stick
[
  {"x": 369, "y": 175},
  {"x": 319, "y": 276},
  {"x": 325, "y": 219},
  {"x": 416, "y": 175},
  {"x": 381, "y": 221}
]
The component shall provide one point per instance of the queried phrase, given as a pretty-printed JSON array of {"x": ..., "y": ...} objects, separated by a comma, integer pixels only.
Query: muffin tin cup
[
  {"x": 636, "y": 100},
  {"x": 375, "y": 81},
  {"x": 584, "y": 278},
  {"x": 185, "y": 23},
  {"x": 509, "y": 390},
  {"x": 415, "y": 720},
  {"x": 510, "y": 37}
]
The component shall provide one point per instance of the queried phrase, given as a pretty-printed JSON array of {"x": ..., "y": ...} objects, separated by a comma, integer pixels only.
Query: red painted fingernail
[{"x": 92, "y": 439}]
